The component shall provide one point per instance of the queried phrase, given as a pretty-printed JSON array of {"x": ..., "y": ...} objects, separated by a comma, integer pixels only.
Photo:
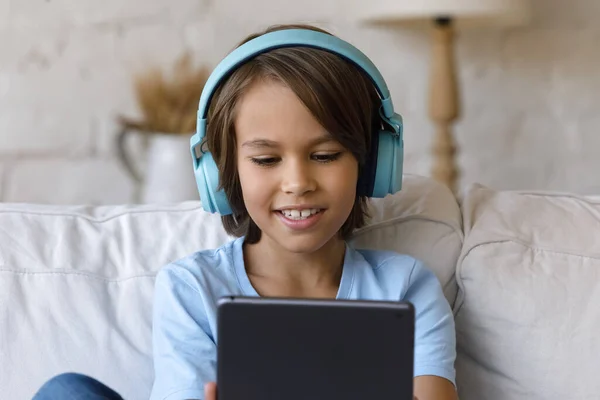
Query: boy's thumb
[{"x": 210, "y": 391}]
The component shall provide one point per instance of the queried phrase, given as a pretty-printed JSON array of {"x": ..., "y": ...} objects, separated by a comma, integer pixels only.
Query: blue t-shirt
[{"x": 186, "y": 294}]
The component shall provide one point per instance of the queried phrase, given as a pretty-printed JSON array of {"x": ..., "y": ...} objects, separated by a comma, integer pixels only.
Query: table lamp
[{"x": 444, "y": 16}]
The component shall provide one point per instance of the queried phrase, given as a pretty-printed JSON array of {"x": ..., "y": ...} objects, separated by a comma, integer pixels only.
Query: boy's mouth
[{"x": 299, "y": 214}]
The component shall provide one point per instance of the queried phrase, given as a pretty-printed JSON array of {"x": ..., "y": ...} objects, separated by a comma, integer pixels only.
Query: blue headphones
[{"x": 383, "y": 172}]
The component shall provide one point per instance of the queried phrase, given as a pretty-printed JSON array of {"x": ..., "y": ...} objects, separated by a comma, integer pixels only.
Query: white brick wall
[
  {"x": 2, "y": 179},
  {"x": 530, "y": 95},
  {"x": 63, "y": 180}
]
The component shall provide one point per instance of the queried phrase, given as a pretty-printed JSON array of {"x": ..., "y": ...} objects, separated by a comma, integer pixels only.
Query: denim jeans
[{"x": 71, "y": 386}]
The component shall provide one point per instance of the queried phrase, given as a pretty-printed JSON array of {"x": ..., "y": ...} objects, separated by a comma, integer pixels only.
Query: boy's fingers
[{"x": 210, "y": 391}]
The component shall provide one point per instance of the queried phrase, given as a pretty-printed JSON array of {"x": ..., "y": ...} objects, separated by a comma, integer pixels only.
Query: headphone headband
[{"x": 294, "y": 38}]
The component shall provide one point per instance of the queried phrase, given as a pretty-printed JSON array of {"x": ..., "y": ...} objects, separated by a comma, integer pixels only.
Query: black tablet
[{"x": 301, "y": 349}]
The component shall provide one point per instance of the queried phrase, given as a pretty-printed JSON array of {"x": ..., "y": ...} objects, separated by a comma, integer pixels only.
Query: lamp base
[{"x": 444, "y": 102}]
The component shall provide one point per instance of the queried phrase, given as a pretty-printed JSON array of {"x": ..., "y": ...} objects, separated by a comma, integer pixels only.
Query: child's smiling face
[{"x": 286, "y": 159}]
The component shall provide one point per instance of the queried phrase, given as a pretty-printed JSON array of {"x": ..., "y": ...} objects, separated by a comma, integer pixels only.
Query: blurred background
[{"x": 95, "y": 95}]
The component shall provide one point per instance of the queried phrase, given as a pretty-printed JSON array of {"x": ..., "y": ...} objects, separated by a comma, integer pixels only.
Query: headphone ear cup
[
  {"x": 390, "y": 157},
  {"x": 398, "y": 171},
  {"x": 207, "y": 179}
]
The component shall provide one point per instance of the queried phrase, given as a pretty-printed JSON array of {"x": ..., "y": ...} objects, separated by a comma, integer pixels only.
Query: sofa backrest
[
  {"x": 76, "y": 282},
  {"x": 527, "y": 316}
]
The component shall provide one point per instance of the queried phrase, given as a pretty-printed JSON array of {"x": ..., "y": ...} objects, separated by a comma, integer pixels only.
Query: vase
[{"x": 165, "y": 172}]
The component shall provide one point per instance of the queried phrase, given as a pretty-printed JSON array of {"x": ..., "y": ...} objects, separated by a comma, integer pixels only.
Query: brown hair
[{"x": 339, "y": 95}]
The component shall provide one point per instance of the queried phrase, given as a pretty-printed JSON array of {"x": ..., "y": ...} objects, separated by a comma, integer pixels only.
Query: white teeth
[{"x": 299, "y": 214}]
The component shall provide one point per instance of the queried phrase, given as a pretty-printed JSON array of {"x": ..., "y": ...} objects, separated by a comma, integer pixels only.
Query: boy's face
[{"x": 289, "y": 167}]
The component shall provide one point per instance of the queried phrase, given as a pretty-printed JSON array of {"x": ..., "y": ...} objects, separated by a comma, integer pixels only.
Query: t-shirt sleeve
[
  {"x": 184, "y": 350},
  {"x": 435, "y": 335}
]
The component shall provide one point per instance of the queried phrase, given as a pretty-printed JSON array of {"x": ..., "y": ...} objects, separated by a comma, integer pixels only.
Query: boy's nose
[{"x": 298, "y": 179}]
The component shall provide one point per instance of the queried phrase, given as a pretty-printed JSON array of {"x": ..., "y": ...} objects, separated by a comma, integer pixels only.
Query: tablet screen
[{"x": 293, "y": 349}]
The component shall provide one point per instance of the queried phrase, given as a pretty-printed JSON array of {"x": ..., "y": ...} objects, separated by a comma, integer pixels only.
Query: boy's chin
[{"x": 304, "y": 244}]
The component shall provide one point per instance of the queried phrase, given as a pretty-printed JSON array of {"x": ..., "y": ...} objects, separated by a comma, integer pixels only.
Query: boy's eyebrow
[{"x": 260, "y": 143}]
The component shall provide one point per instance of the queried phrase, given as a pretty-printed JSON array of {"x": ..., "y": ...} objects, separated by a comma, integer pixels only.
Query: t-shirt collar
[{"x": 346, "y": 282}]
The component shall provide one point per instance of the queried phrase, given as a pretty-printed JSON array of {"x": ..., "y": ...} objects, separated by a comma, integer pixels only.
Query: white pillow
[
  {"x": 424, "y": 221},
  {"x": 527, "y": 314},
  {"x": 76, "y": 282}
]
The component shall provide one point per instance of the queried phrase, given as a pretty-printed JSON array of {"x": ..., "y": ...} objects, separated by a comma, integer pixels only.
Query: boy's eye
[
  {"x": 325, "y": 158},
  {"x": 264, "y": 161}
]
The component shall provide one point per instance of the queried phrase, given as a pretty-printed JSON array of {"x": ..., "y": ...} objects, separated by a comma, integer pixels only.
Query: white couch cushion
[
  {"x": 76, "y": 282},
  {"x": 527, "y": 314}
]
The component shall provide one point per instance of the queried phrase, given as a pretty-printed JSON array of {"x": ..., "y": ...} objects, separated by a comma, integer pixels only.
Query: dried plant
[{"x": 168, "y": 105}]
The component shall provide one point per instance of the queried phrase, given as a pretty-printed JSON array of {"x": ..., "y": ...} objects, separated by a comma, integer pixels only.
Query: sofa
[{"x": 521, "y": 271}]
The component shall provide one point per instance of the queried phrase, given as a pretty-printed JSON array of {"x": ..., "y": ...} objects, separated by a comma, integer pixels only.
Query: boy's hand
[{"x": 210, "y": 391}]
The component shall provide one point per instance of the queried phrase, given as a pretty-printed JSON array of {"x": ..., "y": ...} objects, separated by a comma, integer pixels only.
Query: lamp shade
[{"x": 466, "y": 13}]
